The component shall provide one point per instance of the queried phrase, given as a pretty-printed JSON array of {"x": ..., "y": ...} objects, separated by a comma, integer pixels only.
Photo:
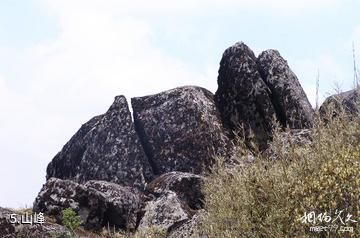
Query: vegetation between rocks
[{"x": 270, "y": 197}]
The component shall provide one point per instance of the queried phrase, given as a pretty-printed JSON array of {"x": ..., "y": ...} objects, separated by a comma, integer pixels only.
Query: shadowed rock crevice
[
  {"x": 146, "y": 147},
  {"x": 274, "y": 97}
]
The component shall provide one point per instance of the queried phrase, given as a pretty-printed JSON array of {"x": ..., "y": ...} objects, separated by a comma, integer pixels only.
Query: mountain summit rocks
[
  {"x": 105, "y": 148},
  {"x": 243, "y": 98},
  {"x": 253, "y": 93},
  {"x": 132, "y": 174}
]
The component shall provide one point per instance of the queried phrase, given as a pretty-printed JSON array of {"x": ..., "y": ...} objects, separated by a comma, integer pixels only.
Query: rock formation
[
  {"x": 180, "y": 129},
  {"x": 255, "y": 92},
  {"x": 105, "y": 148},
  {"x": 148, "y": 173},
  {"x": 243, "y": 98},
  {"x": 292, "y": 107}
]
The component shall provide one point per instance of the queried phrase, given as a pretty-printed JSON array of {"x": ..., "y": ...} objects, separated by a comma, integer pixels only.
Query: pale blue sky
[{"x": 63, "y": 61}]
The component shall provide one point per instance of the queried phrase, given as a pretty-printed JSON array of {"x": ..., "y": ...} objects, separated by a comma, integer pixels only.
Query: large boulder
[
  {"x": 346, "y": 102},
  {"x": 165, "y": 212},
  {"x": 291, "y": 104},
  {"x": 180, "y": 129},
  {"x": 105, "y": 148},
  {"x": 98, "y": 203},
  {"x": 243, "y": 98}
]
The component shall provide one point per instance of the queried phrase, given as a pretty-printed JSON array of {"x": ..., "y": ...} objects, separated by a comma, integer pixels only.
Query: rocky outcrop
[
  {"x": 149, "y": 173},
  {"x": 180, "y": 129},
  {"x": 292, "y": 107},
  {"x": 105, "y": 148},
  {"x": 255, "y": 92},
  {"x": 243, "y": 98},
  {"x": 346, "y": 102},
  {"x": 98, "y": 203}
]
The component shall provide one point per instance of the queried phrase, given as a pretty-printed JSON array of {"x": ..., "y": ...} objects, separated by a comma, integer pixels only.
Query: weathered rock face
[
  {"x": 187, "y": 187},
  {"x": 98, "y": 203},
  {"x": 348, "y": 102},
  {"x": 105, "y": 148},
  {"x": 164, "y": 212},
  {"x": 291, "y": 104},
  {"x": 180, "y": 129},
  {"x": 243, "y": 98},
  {"x": 253, "y": 92}
]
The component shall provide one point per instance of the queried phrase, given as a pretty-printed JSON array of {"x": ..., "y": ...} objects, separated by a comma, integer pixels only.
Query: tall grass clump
[{"x": 269, "y": 197}]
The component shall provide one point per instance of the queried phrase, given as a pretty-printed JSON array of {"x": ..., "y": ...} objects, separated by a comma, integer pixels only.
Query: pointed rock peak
[
  {"x": 240, "y": 49},
  {"x": 105, "y": 148},
  {"x": 272, "y": 56},
  {"x": 119, "y": 103},
  {"x": 271, "y": 53}
]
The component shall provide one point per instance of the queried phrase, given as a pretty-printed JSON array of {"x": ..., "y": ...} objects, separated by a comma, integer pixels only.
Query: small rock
[
  {"x": 186, "y": 186},
  {"x": 164, "y": 212},
  {"x": 187, "y": 229}
]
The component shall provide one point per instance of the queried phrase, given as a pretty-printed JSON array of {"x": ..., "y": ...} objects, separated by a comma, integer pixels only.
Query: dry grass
[{"x": 268, "y": 198}]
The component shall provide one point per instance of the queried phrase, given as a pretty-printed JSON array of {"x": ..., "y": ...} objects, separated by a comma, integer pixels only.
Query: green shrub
[
  {"x": 70, "y": 219},
  {"x": 269, "y": 197}
]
